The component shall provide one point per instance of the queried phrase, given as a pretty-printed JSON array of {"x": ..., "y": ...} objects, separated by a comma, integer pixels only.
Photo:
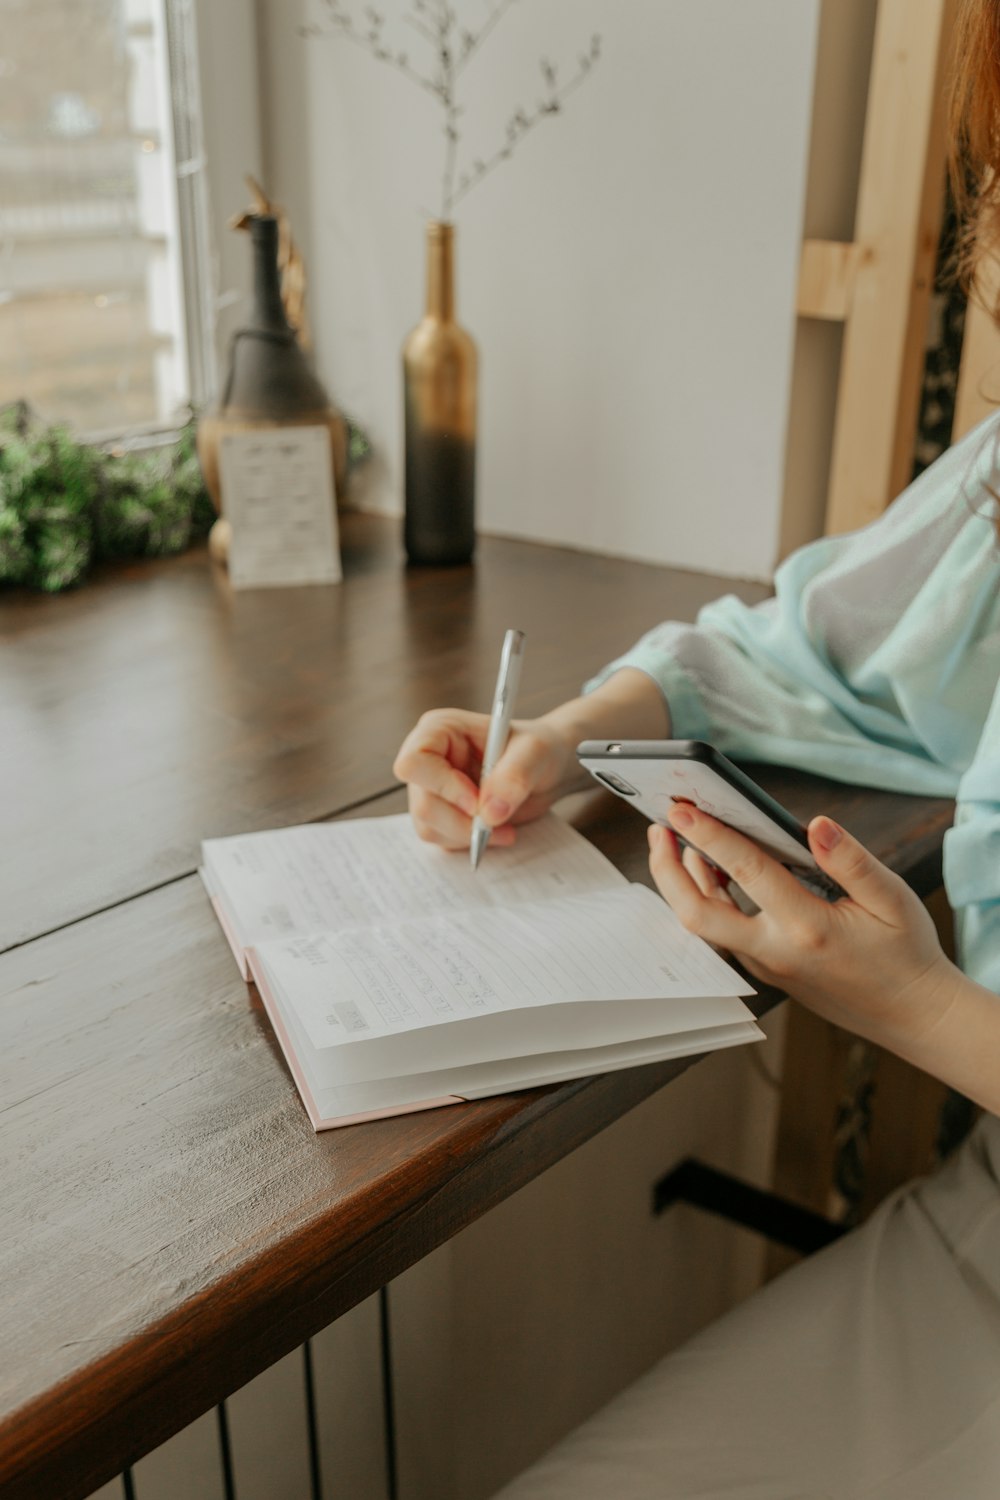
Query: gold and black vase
[{"x": 439, "y": 389}]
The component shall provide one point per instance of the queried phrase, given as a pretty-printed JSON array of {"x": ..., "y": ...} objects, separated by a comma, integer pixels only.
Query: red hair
[{"x": 974, "y": 136}]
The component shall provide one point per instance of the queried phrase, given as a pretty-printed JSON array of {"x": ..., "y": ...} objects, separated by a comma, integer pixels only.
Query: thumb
[
  {"x": 512, "y": 780},
  {"x": 865, "y": 879}
]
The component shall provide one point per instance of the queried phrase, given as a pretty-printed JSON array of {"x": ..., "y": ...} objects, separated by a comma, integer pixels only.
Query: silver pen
[{"x": 501, "y": 714}]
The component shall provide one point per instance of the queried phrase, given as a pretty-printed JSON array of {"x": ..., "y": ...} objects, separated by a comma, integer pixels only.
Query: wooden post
[{"x": 880, "y": 284}]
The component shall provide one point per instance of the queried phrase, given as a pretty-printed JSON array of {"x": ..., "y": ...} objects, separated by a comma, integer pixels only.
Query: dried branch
[
  {"x": 521, "y": 122},
  {"x": 454, "y": 47},
  {"x": 342, "y": 24},
  {"x": 471, "y": 41}
]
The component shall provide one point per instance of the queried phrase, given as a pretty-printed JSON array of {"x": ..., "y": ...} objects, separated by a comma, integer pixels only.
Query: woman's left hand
[{"x": 870, "y": 962}]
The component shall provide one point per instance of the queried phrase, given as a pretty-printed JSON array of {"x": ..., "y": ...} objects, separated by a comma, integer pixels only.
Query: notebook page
[
  {"x": 323, "y": 877},
  {"x": 336, "y": 1093},
  {"x": 366, "y": 983}
]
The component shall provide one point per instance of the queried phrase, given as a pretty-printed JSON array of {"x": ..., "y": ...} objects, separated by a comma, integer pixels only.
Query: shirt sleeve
[
  {"x": 875, "y": 662},
  {"x": 870, "y": 662}
]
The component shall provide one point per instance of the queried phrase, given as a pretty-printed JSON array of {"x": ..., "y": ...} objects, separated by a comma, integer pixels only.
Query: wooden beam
[
  {"x": 897, "y": 230},
  {"x": 827, "y": 273}
]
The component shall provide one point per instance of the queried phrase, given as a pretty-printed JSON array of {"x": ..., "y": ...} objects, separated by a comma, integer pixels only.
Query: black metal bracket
[{"x": 693, "y": 1182}]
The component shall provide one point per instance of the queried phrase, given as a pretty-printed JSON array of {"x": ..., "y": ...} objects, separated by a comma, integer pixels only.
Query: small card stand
[{"x": 277, "y": 494}]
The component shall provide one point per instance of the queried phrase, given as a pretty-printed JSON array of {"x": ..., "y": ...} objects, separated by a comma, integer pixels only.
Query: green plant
[{"x": 65, "y": 505}]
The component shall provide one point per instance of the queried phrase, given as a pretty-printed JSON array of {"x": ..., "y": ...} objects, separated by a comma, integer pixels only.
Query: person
[{"x": 873, "y": 1368}]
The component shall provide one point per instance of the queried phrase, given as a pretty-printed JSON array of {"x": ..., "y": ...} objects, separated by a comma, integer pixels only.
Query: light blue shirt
[{"x": 876, "y": 662}]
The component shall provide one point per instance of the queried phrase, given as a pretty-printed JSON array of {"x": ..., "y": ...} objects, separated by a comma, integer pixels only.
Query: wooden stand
[{"x": 880, "y": 284}]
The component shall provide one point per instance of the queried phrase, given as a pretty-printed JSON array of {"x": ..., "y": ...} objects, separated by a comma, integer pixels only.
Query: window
[{"x": 104, "y": 311}]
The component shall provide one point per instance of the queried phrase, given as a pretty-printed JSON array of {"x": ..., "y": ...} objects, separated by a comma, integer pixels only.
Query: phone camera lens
[{"x": 618, "y": 784}]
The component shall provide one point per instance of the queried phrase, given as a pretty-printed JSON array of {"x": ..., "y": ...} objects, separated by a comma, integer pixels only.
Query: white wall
[
  {"x": 231, "y": 110},
  {"x": 629, "y": 275}
]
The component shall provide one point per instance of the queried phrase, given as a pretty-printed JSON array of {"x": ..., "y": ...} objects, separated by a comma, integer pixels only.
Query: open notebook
[{"x": 397, "y": 979}]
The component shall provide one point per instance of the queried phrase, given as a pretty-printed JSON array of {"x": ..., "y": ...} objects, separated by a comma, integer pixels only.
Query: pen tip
[{"x": 477, "y": 844}]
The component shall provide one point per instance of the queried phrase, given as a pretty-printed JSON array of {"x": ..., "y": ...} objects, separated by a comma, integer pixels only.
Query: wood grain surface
[
  {"x": 155, "y": 707},
  {"x": 171, "y": 1225}
]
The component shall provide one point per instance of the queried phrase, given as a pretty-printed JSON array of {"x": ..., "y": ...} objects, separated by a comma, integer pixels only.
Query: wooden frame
[{"x": 880, "y": 284}]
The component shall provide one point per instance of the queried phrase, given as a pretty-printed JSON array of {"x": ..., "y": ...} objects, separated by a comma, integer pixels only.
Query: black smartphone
[{"x": 653, "y": 775}]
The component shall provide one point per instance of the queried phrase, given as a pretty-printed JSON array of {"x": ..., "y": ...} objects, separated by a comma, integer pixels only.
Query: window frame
[{"x": 215, "y": 140}]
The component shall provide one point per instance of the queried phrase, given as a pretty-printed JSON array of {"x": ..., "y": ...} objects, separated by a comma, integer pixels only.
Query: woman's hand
[
  {"x": 441, "y": 760},
  {"x": 442, "y": 757},
  {"x": 870, "y": 962}
]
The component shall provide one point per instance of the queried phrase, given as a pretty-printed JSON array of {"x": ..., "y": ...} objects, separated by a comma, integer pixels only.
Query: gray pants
[{"x": 871, "y": 1370}]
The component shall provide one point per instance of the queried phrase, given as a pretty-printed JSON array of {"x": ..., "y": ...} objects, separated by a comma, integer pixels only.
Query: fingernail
[
  {"x": 495, "y": 810},
  {"x": 654, "y": 835},
  {"x": 827, "y": 833},
  {"x": 681, "y": 817}
]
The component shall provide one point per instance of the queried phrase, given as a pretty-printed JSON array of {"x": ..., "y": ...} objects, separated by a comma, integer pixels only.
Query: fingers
[
  {"x": 718, "y": 922},
  {"x": 441, "y": 762},
  {"x": 705, "y": 876},
  {"x": 439, "y": 753},
  {"x": 438, "y": 821},
  {"x": 513, "y": 780},
  {"x": 768, "y": 884},
  {"x": 865, "y": 879},
  {"x": 442, "y": 756}
]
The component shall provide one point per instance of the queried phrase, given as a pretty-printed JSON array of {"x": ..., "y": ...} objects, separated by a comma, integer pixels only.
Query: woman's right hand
[{"x": 441, "y": 761}]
